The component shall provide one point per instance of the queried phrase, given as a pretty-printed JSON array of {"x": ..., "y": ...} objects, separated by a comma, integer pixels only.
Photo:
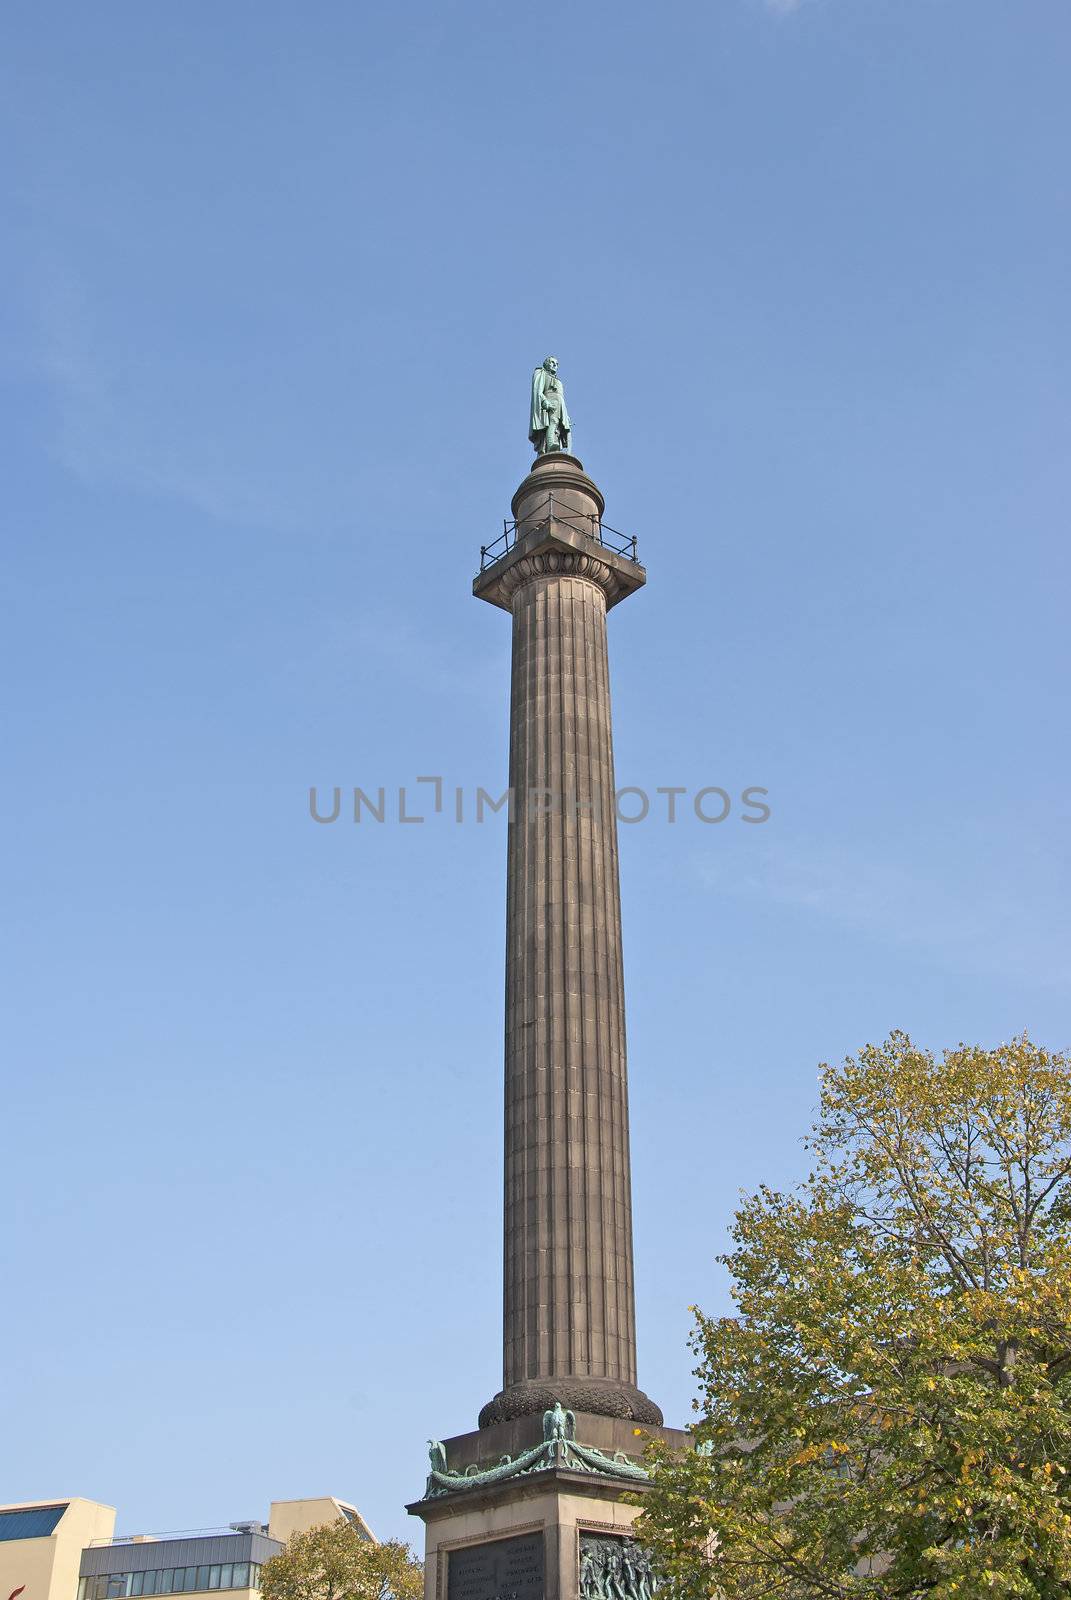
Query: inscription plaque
[{"x": 502, "y": 1569}]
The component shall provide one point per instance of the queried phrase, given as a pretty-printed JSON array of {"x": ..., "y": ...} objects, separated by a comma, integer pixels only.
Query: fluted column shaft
[
  {"x": 569, "y": 1301},
  {"x": 569, "y": 1331}
]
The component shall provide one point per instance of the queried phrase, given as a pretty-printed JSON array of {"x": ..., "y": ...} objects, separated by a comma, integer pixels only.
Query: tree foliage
[
  {"x": 334, "y": 1562},
  {"x": 889, "y": 1416}
]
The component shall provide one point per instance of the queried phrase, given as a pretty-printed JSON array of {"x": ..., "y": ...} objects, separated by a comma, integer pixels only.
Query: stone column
[{"x": 569, "y": 1312}]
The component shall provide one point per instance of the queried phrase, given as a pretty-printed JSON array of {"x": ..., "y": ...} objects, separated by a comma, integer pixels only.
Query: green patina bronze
[
  {"x": 559, "y": 1448},
  {"x": 549, "y": 427},
  {"x": 615, "y": 1568}
]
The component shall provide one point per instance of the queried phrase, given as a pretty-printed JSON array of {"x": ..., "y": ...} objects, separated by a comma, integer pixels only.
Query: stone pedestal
[{"x": 516, "y": 1513}]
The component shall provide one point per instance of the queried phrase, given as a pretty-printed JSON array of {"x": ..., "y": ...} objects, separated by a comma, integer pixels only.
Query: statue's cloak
[{"x": 536, "y": 424}]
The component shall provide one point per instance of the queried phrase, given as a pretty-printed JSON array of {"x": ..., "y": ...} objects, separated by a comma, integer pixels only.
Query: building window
[{"x": 169, "y": 1580}]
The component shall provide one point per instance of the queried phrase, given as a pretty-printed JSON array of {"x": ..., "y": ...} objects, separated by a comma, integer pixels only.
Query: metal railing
[
  {"x": 175, "y": 1533},
  {"x": 592, "y": 527}
]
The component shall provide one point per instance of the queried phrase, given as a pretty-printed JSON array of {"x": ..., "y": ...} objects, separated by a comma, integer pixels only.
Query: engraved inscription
[{"x": 502, "y": 1569}]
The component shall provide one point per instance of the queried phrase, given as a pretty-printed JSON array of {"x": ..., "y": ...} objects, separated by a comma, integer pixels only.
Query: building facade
[
  {"x": 41, "y": 1546},
  {"x": 67, "y": 1550}
]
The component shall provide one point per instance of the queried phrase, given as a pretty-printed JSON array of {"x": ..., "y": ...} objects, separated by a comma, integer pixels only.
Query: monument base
[
  {"x": 533, "y": 1509},
  {"x": 608, "y": 1397}
]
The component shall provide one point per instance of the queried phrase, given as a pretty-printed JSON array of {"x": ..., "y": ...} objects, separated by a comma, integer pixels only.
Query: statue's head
[{"x": 551, "y": 364}]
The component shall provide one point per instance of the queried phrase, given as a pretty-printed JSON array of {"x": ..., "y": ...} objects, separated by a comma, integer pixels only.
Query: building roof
[
  {"x": 31, "y": 1522},
  {"x": 191, "y": 1550},
  {"x": 351, "y": 1514}
]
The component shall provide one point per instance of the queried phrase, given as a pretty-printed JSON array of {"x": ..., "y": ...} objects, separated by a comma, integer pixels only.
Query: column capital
[{"x": 558, "y": 532}]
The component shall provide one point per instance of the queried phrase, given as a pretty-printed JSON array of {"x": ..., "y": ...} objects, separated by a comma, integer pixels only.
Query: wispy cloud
[
  {"x": 134, "y": 410},
  {"x": 1010, "y": 922},
  {"x": 107, "y": 436},
  {"x": 389, "y": 640}
]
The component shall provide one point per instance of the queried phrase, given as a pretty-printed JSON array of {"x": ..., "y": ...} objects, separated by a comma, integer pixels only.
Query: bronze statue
[
  {"x": 559, "y": 1423},
  {"x": 549, "y": 427}
]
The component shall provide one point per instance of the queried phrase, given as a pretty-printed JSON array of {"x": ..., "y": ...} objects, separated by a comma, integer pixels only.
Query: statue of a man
[
  {"x": 590, "y": 1572},
  {"x": 593, "y": 1571},
  {"x": 548, "y": 426}
]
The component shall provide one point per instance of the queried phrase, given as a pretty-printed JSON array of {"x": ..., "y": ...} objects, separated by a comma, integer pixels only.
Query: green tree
[
  {"x": 334, "y": 1562},
  {"x": 889, "y": 1416}
]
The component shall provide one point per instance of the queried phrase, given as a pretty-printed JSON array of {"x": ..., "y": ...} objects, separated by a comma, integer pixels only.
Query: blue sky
[{"x": 275, "y": 280}]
